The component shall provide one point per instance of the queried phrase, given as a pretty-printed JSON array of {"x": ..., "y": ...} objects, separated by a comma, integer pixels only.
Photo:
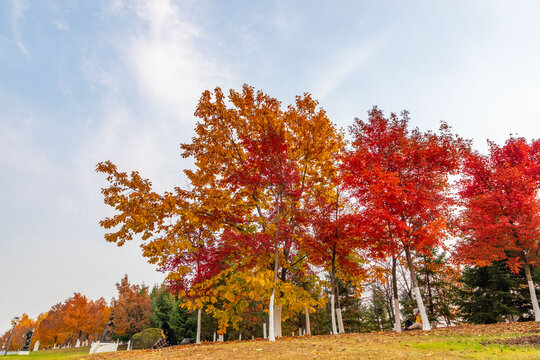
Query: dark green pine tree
[
  {"x": 162, "y": 306},
  {"x": 493, "y": 293},
  {"x": 165, "y": 307}
]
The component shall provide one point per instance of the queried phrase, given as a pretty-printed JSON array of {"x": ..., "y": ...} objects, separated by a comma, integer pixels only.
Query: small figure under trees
[
  {"x": 501, "y": 216},
  {"x": 400, "y": 179}
]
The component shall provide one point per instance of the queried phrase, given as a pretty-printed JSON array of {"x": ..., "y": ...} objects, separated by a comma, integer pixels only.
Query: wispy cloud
[
  {"x": 17, "y": 10},
  {"x": 150, "y": 97},
  {"x": 286, "y": 20},
  {"x": 342, "y": 65},
  {"x": 60, "y": 25}
]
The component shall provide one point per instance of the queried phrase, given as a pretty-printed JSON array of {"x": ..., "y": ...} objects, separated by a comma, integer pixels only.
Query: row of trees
[
  {"x": 80, "y": 319},
  {"x": 477, "y": 295},
  {"x": 278, "y": 197},
  {"x": 76, "y": 318}
]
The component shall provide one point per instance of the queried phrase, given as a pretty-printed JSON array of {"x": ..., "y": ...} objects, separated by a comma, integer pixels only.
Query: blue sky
[{"x": 87, "y": 81}]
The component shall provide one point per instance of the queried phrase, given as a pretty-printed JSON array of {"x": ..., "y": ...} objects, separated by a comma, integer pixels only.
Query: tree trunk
[
  {"x": 341, "y": 328},
  {"x": 277, "y": 321},
  {"x": 397, "y": 317},
  {"x": 271, "y": 334},
  {"x": 333, "y": 291},
  {"x": 332, "y": 314},
  {"x": 198, "y": 326},
  {"x": 532, "y": 291},
  {"x": 308, "y": 324},
  {"x": 425, "y": 321},
  {"x": 264, "y": 330},
  {"x": 271, "y": 315}
]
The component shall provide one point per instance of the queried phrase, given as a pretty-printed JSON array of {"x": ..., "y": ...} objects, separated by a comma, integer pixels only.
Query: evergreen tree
[
  {"x": 494, "y": 293},
  {"x": 166, "y": 308},
  {"x": 184, "y": 322},
  {"x": 163, "y": 304}
]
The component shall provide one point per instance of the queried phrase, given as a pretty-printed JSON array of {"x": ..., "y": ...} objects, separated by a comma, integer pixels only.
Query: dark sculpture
[
  {"x": 29, "y": 334},
  {"x": 109, "y": 330}
]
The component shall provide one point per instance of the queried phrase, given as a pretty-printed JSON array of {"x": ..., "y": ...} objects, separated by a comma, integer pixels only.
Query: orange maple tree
[
  {"x": 255, "y": 166},
  {"x": 132, "y": 309}
]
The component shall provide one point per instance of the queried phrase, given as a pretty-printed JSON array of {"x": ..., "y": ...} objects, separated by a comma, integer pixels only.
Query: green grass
[
  {"x": 61, "y": 354},
  {"x": 477, "y": 347}
]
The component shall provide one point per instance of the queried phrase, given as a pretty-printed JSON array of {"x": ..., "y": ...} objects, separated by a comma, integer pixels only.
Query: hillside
[{"x": 501, "y": 341}]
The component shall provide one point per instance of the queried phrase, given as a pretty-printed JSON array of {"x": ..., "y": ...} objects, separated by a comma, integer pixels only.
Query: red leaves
[
  {"x": 400, "y": 180},
  {"x": 500, "y": 195}
]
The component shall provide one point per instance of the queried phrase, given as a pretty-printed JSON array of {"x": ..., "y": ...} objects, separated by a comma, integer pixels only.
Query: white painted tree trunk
[
  {"x": 264, "y": 330},
  {"x": 397, "y": 315},
  {"x": 239, "y": 336},
  {"x": 198, "y": 340},
  {"x": 271, "y": 333},
  {"x": 308, "y": 324},
  {"x": 341, "y": 328},
  {"x": 214, "y": 336},
  {"x": 420, "y": 303},
  {"x": 333, "y": 314},
  {"x": 277, "y": 321},
  {"x": 532, "y": 292}
]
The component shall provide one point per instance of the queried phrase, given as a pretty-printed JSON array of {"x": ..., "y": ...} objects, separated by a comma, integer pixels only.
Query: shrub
[{"x": 146, "y": 338}]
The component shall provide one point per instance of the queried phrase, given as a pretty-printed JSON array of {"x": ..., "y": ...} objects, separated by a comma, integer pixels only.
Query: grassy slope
[
  {"x": 60, "y": 354},
  {"x": 463, "y": 342}
]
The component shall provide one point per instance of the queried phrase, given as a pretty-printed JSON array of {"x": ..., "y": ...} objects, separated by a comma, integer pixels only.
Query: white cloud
[
  {"x": 342, "y": 65},
  {"x": 150, "y": 96},
  {"x": 165, "y": 59},
  {"x": 17, "y": 9},
  {"x": 61, "y": 25}
]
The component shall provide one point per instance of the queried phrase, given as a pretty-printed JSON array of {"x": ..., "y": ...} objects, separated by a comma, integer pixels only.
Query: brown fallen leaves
[{"x": 378, "y": 346}]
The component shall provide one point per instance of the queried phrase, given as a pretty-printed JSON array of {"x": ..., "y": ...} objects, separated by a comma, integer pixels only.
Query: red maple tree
[
  {"x": 400, "y": 179},
  {"x": 501, "y": 220}
]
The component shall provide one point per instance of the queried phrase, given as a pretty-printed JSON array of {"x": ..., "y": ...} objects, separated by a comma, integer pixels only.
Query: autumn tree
[
  {"x": 75, "y": 317},
  {"x": 18, "y": 339},
  {"x": 132, "y": 309},
  {"x": 400, "y": 179},
  {"x": 255, "y": 165},
  {"x": 501, "y": 217},
  {"x": 332, "y": 245},
  {"x": 49, "y": 328}
]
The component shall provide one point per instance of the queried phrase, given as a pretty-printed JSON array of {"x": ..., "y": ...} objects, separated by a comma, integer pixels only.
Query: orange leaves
[
  {"x": 256, "y": 167},
  {"x": 75, "y": 318},
  {"x": 132, "y": 308}
]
